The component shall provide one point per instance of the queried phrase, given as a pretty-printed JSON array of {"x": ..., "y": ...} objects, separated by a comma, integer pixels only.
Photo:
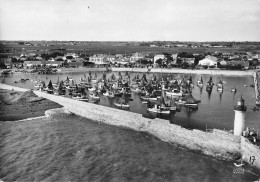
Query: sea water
[
  {"x": 66, "y": 147},
  {"x": 216, "y": 109}
]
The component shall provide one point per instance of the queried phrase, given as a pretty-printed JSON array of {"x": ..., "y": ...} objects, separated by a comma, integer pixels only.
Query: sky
[{"x": 130, "y": 20}]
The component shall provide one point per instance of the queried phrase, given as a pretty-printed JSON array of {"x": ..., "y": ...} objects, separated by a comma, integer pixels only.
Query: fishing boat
[
  {"x": 109, "y": 94},
  {"x": 174, "y": 92},
  {"x": 121, "y": 105},
  {"x": 49, "y": 88},
  {"x": 82, "y": 96},
  {"x": 200, "y": 82},
  {"x": 146, "y": 98},
  {"x": 123, "y": 102},
  {"x": 233, "y": 90},
  {"x": 189, "y": 80},
  {"x": 137, "y": 90},
  {"x": 257, "y": 102},
  {"x": 76, "y": 96},
  {"x": 191, "y": 102},
  {"x": 219, "y": 86},
  {"x": 180, "y": 102},
  {"x": 209, "y": 85},
  {"x": 157, "y": 109},
  {"x": 92, "y": 89},
  {"x": 94, "y": 97}
]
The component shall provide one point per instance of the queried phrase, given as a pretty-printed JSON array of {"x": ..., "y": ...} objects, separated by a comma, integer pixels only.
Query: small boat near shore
[
  {"x": 174, "y": 92},
  {"x": 158, "y": 110},
  {"x": 94, "y": 97},
  {"x": 109, "y": 94},
  {"x": 121, "y": 105},
  {"x": 149, "y": 98},
  {"x": 233, "y": 90}
]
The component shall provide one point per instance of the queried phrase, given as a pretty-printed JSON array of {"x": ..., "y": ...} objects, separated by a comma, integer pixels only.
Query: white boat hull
[
  {"x": 121, "y": 105},
  {"x": 174, "y": 94},
  {"x": 154, "y": 110}
]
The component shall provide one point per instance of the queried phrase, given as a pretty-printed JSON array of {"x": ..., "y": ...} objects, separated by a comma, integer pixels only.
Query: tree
[
  {"x": 159, "y": 61},
  {"x": 144, "y": 61}
]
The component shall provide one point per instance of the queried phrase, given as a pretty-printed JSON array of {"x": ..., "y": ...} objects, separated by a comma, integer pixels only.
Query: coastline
[
  {"x": 20, "y": 104},
  {"x": 158, "y": 70}
]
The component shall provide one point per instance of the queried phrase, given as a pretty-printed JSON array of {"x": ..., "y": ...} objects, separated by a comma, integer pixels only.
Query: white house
[
  {"x": 109, "y": 58},
  {"x": 136, "y": 57},
  {"x": 209, "y": 61},
  {"x": 174, "y": 58},
  {"x": 98, "y": 59},
  {"x": 158, "y": 56}
]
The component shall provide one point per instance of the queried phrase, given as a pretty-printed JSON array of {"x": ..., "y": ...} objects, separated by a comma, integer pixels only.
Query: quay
[
  {"x": 255, "y": 76},
  {"x": 217, "y": 143},
  {"x": 159, "y": 70},
  {"x": 186, "y": 71}
]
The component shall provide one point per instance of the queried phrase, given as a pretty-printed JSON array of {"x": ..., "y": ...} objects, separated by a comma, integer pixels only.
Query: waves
[{"x": 64, "y": 147}]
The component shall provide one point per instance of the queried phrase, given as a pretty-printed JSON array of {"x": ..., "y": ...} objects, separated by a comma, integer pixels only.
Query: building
[
  {"x": 174, "y": 58},
  {"x": 109, "y": 58},
  {"x": 55, "y": 64},
  {"x": 34, "y": 64},
  {"x": 209, "y": 61},
  {"x": 190, "y": 61},
  {"x": 222, "y": 62},
  {"x": 98, "y": 59},
  {"x": 158, "y": 56},
  {"x": 136, "y": 56},
  {"x": 121, "y": 61}
]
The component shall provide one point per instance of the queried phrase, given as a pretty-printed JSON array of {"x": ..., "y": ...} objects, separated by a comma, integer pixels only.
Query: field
[{"x": 126, "y": 48}]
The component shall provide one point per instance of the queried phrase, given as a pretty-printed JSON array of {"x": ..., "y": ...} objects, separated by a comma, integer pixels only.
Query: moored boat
[
  {"x": 200, "y": 82},
  {"x": 233, "y": 90},
  {"x": 158, "y": 109},
  {"x": 94, "y": 97},
  {"x": 121, "y": 105},
  {"x": 174, "y": 93}
]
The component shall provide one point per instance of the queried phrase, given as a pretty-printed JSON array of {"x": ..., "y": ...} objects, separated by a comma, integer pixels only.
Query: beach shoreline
[{"x": 17, "y": 105}]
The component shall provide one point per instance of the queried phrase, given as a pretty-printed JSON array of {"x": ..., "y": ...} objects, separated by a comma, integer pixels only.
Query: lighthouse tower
[{"x": 239, "y": 122}]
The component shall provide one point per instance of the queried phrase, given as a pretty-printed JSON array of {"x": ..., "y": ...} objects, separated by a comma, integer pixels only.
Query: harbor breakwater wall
[
  {"x": 250, "y": 153},
  {"x": 187, "y": 71},
  {"x": 80, "y": 69},
  {"x": 218, "y": 143}
]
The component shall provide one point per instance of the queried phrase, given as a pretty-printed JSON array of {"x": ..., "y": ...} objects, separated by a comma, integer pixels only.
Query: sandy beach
[{"x": 16, "y": 105}]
